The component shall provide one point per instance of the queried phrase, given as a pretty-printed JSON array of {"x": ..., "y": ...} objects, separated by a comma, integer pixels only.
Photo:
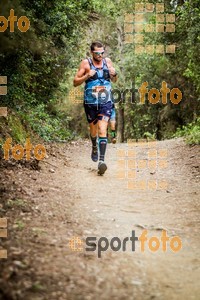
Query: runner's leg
[
  {"x": 93, "y": 136},
  {"x": 113, "y": 132},
  {"x": 93, "y": 129},
  {"x": 103, "y": 140},
  {"x": 113, "y": 125},
  {"x": 91, "y": 114},
  {"x": 102, "y": 132}
]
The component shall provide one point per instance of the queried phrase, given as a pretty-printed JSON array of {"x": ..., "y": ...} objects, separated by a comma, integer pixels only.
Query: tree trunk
[{"x": 120, "y": 124}]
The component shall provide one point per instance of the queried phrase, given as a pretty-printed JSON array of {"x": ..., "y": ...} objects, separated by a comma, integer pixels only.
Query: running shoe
[
  {"x": 101, "y": 167},
  {"x": 94, "y": 154}
]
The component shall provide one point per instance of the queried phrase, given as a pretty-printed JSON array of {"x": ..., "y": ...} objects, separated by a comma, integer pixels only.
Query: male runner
[{"x": 97, "y": 73}]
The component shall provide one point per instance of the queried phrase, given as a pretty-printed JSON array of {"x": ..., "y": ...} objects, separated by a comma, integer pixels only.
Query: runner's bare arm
[
  {"x": 111, "y": 70},
  {"x": 83, "y": 73}
]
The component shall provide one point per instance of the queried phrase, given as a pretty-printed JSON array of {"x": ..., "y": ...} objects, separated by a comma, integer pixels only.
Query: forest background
[{"x": 40, "y": 65}]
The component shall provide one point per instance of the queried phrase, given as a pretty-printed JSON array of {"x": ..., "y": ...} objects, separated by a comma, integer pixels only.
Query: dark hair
[{"x": 96, "y": 44}]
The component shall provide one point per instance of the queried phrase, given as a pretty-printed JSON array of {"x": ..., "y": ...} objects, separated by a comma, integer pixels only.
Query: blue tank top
[{"x": 98, "y": 87}]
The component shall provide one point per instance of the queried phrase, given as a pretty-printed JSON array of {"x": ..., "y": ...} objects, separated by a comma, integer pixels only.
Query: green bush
[
  {"x": 191, "y": 132},
  {"x": 48, "y": 127}
]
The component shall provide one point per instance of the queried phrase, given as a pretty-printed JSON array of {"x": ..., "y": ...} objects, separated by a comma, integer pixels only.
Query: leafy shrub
[
  {"x": 191, "y": 132},
  {"x": 48, "y": 127}
]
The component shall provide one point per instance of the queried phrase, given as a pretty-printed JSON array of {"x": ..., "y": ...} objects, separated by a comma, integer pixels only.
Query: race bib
[{"x": 99, "y": 92}]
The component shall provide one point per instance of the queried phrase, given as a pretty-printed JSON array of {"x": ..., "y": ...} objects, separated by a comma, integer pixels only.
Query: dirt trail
[{"x": 69, "y": 200}]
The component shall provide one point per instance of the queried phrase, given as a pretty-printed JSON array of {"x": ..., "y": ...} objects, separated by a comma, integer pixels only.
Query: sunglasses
[{"x": 98, "y": 53}]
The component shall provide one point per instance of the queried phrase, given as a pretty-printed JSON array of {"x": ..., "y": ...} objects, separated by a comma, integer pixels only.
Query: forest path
[{"x": 70, "y": 200}]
